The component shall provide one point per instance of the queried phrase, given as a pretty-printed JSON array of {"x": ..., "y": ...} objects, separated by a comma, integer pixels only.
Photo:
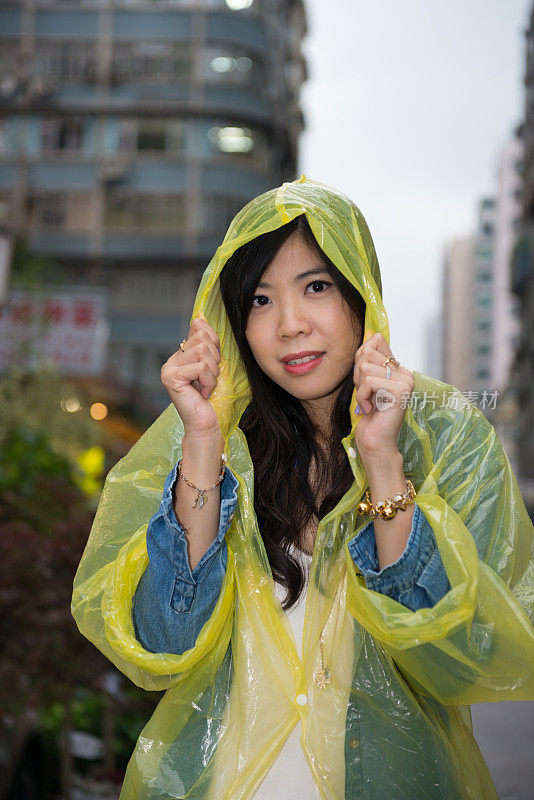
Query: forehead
[{"x": 294, "y": 257}]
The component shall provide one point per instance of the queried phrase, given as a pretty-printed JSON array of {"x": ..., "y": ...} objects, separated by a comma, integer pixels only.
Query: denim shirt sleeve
[
  {"x": 417, "y": 579},
  {"x": 172, "y": 602}
]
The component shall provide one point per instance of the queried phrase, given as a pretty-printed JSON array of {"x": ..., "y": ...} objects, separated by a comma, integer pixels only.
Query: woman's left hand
[{"x": 383, "y": 400}]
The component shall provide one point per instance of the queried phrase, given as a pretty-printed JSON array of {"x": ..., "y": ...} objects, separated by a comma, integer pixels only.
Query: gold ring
[
  {"x": 182, "y": 348},
  {"x": 391, "y": 358}
]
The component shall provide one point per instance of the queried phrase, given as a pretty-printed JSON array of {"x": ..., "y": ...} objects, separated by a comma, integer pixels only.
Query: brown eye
[
  {"x": 317, "y": 286},
  {"x": 260, "y": 300}
]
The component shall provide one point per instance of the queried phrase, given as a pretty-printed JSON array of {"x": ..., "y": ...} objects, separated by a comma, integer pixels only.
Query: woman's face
[{"x": 300, "y": 330}]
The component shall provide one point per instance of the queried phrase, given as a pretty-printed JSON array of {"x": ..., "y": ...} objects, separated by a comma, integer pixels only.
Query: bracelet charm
[
  {"x": 387, "y": 508},
  {"x": 201, "y": 499}
]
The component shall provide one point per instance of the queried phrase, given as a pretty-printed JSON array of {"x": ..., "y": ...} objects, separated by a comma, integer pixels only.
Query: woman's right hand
[{"x": 190, "y": 376}]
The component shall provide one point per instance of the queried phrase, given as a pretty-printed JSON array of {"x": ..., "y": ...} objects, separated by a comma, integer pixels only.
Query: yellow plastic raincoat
[{"x": 394, "y": 723}]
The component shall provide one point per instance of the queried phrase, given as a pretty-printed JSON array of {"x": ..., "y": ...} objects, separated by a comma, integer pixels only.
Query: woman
[{"x": 396, "y": 640}]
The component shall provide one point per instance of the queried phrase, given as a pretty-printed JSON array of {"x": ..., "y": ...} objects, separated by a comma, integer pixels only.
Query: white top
[{"x": 290, "y": 778}]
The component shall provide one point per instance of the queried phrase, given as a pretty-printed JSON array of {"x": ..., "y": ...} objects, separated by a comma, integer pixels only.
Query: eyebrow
[{"x": 300, "y": 276}]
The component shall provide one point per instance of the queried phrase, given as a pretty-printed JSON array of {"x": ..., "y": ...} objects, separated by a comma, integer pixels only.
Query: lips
[
  {"x": 302, "y": 354},
  {"x": 306, "y": 360}
]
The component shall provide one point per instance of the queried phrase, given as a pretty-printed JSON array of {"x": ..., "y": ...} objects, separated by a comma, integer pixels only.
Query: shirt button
[
  {"x": 352, "y": 452},
  {"x": 302, "y": 699},
  {"x": 354, "y": 743}
]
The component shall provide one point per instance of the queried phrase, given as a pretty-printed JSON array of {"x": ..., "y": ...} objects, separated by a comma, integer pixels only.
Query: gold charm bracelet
[{"x": 387, "y": 508}]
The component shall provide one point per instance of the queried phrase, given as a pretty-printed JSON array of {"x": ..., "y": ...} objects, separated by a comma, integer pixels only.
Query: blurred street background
[{"x": 131, "y": 133}]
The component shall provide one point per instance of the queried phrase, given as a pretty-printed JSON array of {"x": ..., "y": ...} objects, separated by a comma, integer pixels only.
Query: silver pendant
[{"x": 200, "y": 500}]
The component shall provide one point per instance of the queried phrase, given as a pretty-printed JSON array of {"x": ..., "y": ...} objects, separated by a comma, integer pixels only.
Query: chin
[{"x": 312, "y": 394}]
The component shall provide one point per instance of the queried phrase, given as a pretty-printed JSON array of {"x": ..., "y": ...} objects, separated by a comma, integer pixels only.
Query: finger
[
  {"x": 366, "y": 370},
  {"x": 198, "y": 373},
  {"x": 370, "y": 356},
  {"x": 201, "y": 346},
  {"x": 195, "y": 349},
  {"x": 198, "y": 325},
  {"x": 377, "y": 342},
  {"x": 371, "y": 384},
  {"x": 174, "y": 371}
]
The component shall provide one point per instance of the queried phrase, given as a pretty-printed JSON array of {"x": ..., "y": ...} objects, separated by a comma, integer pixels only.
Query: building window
[
  {"x": 72, "y": 213},
  {"x": 151, "y": 135},
  {"x": 4, "y": 138},
  {"x": 484, "y": 349},
  {"x": 484, "y": 301},
  {"x": 484, "y": 276},
  {"x": 62, "y": 134},
  {"x": 160, "y": 135},
  {"x": 165, "y": 213},
  {"x": 218, "y": 212},
  {"x": 483, "y": 374},
  {"x": 484, "y": 251},
  {"x": 66, "y": 62},
  {"x": 9, "y": 59},
  {"x": 49, "y": 211},
  {"x": 150, "y": 62}
]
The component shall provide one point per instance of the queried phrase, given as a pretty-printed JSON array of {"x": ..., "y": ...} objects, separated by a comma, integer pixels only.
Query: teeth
[{"x": 305, "y": 359}]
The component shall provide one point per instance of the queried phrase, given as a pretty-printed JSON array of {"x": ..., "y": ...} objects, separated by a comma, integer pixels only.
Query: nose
[{"x": 292, "y": 320}]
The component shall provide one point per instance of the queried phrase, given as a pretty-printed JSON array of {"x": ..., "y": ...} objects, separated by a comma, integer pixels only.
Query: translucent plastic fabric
[{"x": 394, "y": 722}]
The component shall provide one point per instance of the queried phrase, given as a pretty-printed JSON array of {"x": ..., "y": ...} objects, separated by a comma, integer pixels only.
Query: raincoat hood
[
  {"x": 342, "y": 233},
  {"x": 394, "y": 721}
]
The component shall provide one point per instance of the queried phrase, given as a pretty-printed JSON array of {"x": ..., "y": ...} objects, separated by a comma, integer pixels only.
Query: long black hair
[{"x": 280, "y": 435}]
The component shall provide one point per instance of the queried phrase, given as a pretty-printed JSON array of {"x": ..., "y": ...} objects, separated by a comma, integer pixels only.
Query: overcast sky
[{"x": 406, "y": 107}]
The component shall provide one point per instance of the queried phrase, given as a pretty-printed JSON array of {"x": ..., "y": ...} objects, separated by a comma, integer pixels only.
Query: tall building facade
[
  {"x": 481, "y": 340},
  {"x": 468, "y": 304},
  {"x": 480, "y": 324},
  {"x": 505, "y": 317},
  {"x": 131, "y": 133},
  {"x": 523, "y": 287},
  {"x": 457, "y": 316}
]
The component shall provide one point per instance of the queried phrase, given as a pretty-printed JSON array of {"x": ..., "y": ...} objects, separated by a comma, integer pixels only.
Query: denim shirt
[{"x": 173, "y": 601}]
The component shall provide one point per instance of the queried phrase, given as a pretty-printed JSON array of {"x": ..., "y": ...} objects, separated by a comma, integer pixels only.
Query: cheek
[
  {"x": 347, "y": 337},
  {"x": 257, "y": 341}
]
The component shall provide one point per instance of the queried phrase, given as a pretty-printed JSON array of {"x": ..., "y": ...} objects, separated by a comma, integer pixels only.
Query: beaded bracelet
[
  {"x": 387, "y": 508},
  {"x": 201, "y": 498}
]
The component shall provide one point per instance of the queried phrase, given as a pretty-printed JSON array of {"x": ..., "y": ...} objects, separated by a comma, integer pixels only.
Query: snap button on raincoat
[{"x": 394, "y": 722}]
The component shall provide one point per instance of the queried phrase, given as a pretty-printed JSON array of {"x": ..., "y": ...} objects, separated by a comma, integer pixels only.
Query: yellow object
[
  {"x": 393, "y": 721},
  {"x": 90, "y": 464}
]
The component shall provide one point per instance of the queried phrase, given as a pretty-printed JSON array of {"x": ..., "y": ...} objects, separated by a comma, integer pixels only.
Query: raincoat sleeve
[
  {"x": 115, "y": 558},
  {"x": 477, "y": 643},
  {"x": 172, "y": 601},
  {"x": 417, "y": 579}
]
